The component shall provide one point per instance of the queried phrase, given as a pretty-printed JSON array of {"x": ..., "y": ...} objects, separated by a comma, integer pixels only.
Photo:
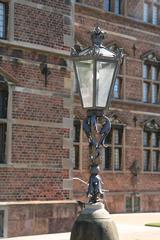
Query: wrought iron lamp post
[{"x": 96, "y": 68}]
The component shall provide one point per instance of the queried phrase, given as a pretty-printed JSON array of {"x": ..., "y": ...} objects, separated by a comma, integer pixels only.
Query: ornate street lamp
[{"x": 96, "y": 68}]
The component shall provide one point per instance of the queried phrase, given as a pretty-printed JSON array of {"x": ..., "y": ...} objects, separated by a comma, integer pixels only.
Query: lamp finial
[{"x": 97, "y": 36}]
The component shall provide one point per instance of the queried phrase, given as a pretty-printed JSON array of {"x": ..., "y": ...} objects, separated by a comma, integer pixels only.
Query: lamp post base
[{"x": 94, "y": 223}]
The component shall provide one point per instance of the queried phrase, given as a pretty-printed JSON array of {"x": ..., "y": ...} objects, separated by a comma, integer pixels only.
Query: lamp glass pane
[
  {"x": 105, "y": 73},
  {"x": 85, "y": 79}
]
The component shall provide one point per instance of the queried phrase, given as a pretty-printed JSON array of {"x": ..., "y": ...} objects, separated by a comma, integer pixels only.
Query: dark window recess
[
  {"x": 136, "y": 204},
  {"x": 77, "y": 160},
  {"x": 2, "y": 142},
  {"x": 1, "y": 223},
  {"x": 3, "y": 98},
  {"x": 146, "y": 160},
  {"x": 128, "y": 204},
  {"x": 77, "y": 127},
  {"x": 108, "y": 158},
  {"x": 3, "y": 103},
  {"x": 108, "y": 139}
]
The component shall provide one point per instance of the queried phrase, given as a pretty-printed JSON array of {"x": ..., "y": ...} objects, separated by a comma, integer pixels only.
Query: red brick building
[
  {"x": 42, "y": 145},
  {"x": 131, "y": 164}
]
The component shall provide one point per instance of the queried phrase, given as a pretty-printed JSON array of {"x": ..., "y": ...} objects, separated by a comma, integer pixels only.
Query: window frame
[
  {"x": 114, "y": 48},
  {"x": 157, "y": 17},
  {"x": 152, "y": 18},
  {"x": 1, "y": 223},
  {"x": 5, "y": 221},
  {"x": 4, "y": 120},
  {"x": 112, "y": 146},
  {"x": 78, "y": 143},
  {"x": 119, "y": 2},
  {"x": 110, "y": 6},
  {"x": 150, "y": 94},
  {"x": 150, "y": 149},
  {"x": 5, "y": 19},
  {"x": 146, "y": 17},
  {"x": 107, "y": 5},
  {"x": 133, "y": 198},
  {"x": 118, "y": 94}
]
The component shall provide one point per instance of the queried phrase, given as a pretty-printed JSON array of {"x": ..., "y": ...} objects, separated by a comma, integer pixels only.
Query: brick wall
[
  {"x": 34, "y": 183},
  {"x": 42, "y": 23},
  {"x": 39, "y": 114}
]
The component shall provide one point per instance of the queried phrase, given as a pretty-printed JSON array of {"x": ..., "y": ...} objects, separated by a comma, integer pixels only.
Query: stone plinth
[{"x": 38, "y": 217}]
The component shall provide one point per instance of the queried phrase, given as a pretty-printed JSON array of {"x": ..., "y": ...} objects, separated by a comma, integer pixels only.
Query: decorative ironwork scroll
[{"x": 94, "y": 126}]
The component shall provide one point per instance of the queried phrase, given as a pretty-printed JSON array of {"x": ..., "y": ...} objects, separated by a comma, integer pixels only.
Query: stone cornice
[{"x": 39, "y": 48}]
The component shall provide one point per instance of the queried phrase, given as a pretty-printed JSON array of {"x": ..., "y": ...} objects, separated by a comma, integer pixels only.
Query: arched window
[{"x": 3, "y": 117}]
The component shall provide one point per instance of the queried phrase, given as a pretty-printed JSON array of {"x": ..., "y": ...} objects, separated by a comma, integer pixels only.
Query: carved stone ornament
[
  {"x": 116, "y": 121},
  {"x": 151, "y": 57},
  {"x": 151, "y": 125},
  {"x": 135, "y": 168},
  {"x": 113, "y": 47}
]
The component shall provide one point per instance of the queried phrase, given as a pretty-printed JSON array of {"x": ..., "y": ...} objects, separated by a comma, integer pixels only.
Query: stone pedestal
[{"x": 94, "y": 223}]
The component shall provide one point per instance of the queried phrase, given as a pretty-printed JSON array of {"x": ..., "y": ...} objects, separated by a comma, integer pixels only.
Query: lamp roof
[{"x": 97, "y": 50}]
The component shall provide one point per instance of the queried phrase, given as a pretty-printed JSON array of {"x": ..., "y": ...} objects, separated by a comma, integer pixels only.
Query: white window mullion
[
  {"x": 146, "y": 12},
  {"x": 145, "y": 71},
  {"x": 154, "y": 73},
  {"x": 116, "y": 90},
  {"x": 2, "y": 20},
  {"x": 154, "y": 93},
  {"x": 155, "y": 15},
  {"x": 145, "y": 92},
  {"x": 117, "y": 6},
  {"x": 107, "y": 5}
]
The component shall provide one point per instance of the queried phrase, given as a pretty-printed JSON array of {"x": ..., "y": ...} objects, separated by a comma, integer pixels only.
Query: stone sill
[
  {"x": 37, "y": 47},
  {"x": 136, "y": 103},
  {"x": 37, "y": 202}
]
